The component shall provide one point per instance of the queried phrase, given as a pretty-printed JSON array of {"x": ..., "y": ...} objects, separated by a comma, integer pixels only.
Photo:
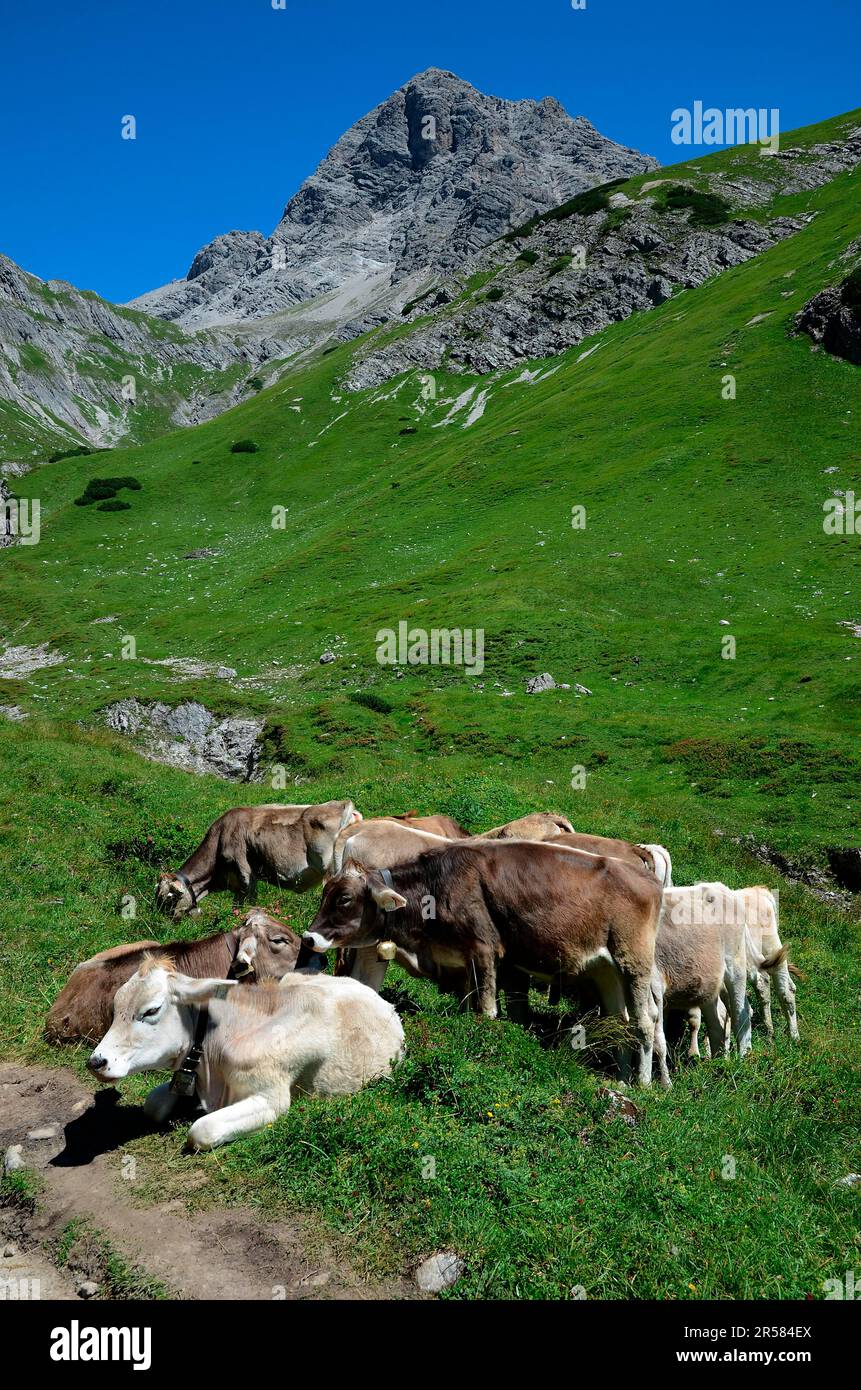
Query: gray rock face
[
  {"x": 190, "y": 737},
  {"x": 64, "y": 355},
  {"x": 832, "y": 319},
  {"x": 568, "y": 279},
  {"x": 420, "y": 184}
]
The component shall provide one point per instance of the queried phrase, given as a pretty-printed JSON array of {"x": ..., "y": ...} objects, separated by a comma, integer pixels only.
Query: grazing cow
[
  {"x": 760, "y": 916},
  {"x": 308, "y": 1033},
  {"x": 288, "y": 846},
  {"x": 703, "y": 953},
  {"x": 83, "y": 1009},
  {"x": 545, "y": 911},
  {"x": 541, "y": 825}
]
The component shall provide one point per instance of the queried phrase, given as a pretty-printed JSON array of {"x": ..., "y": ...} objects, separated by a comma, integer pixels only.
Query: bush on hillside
[
  {"x": 707, "y": 209},
  {"x": 244, "y": 446},
  {"x": 528, "y": 257},
  {"x": 103, "y": 489},
  {"x": 114, "y": 504}
]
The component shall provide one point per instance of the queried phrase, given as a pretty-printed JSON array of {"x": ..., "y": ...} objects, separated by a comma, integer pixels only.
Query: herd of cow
[{"x": 248, "y": 1017}]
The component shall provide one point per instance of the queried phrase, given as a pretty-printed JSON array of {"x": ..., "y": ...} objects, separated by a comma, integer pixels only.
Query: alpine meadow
[{"x": 306, "y": 527}]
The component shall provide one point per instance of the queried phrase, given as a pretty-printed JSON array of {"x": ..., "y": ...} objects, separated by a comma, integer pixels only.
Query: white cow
[
  {"x": 760, "y": 906},
  {"x": 314, "y": 1034}
]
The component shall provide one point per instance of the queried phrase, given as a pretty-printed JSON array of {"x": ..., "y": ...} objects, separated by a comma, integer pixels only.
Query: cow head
[
  {"x": 151, "y": 1030},
  {"x": 353, "y": 911},
  {"x": 174, "y": 896},
  {"x": 322, "y": 825},
  {"x": 267, "y": 949}
]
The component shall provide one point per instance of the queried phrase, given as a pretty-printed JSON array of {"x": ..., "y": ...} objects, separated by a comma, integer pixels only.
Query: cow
[
  {"x": 541, "y": 825},
  {"x": 263, "y": 1043},
  {"x": 381, "y": 844},
  {"x": 83, "y": 1009},
  {"x": 760, "y": 916},
  {"x": 288, "y": 846},
  {"x": 703, "y": 953},
  {"x": 435, "y": 825},
  {"x": 481, "y": 907}
]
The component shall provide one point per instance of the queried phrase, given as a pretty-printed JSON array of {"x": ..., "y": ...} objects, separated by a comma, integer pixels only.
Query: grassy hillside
[{"x": 704, "y": 520}]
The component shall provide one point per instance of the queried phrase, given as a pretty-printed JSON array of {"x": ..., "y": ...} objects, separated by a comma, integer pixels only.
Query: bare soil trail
[{"x": 68, "y": 1135}]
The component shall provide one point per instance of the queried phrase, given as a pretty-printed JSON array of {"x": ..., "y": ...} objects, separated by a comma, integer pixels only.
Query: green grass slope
[{"x": 704, "y": 519}]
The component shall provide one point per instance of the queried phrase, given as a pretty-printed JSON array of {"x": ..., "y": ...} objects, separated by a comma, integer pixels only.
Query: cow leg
[
  {"x": 739, "y": 1009},
  {"x": 785, "y": 986},
  {"x": 695, "y": 1019},
  {"x": 715, "y": 1028},
  {"x": 160, "y": 1104},
  {"x": 660, "y": 1037},
  {"x": 762, "y": 985},
  {"x": 516, "y": 987},
  {"x": 644, "y": 1015},
  {"x": 481, "y": 969},
  {"x": 244, "y": 1117}
]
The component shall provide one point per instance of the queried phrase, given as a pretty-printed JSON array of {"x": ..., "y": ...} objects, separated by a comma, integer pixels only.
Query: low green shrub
[{"x": 244, "y": 446}]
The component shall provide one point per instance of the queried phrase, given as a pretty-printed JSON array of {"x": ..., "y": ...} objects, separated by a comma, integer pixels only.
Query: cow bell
[{"x": 386, "y": 950}]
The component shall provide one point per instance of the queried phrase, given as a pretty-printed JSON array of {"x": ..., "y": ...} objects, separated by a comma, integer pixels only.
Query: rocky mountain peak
[{"x": 416, "y": 187}]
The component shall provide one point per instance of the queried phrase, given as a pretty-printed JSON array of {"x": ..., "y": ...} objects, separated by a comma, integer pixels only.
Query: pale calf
[
  {"x": 307, "y": 1033},
  {"x": 704, "y": 955}
]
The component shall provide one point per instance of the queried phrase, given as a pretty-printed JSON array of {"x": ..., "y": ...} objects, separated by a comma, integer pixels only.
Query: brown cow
[
  {"x": 381, "y": 844},
  {"x": 544, "y": 911},
  {"x": 84, "y": 1007},
  {"x": 288, "y": 846},
  {"x": 541, "y": 825},
  {"x": 434, "y": 825}
]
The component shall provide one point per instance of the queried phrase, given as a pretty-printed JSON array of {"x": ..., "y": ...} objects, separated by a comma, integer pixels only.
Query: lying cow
[
  {"x": 309, "y": 1033},
  {"x": 435, "y": 825},
  {"x": 703, "y": 953},
  {"x": 541, "y": 825},
  {"x": 544, "y": 911},
  {"x": 83, "y": 1009},
  {"x": 288, "y": 846}
]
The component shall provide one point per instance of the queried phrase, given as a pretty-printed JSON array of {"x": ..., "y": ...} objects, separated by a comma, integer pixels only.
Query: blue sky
[{"x": 236, "y": 103}]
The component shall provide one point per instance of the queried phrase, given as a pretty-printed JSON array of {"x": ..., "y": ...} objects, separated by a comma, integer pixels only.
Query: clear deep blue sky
[{"x": 237, "y": 103}]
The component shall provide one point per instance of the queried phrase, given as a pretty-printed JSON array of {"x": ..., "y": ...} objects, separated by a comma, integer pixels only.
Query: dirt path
[{"x": 67, "y": 1135}]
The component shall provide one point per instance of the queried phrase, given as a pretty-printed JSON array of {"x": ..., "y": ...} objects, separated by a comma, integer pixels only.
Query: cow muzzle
[{"x": 315, "y": 942}]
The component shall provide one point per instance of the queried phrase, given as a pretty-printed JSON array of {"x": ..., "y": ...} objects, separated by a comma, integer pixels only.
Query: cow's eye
[
  {"x": 346, "y": 902},
  {"x": 150, "y": 1013},
  {"x": 277, "y": 941}
]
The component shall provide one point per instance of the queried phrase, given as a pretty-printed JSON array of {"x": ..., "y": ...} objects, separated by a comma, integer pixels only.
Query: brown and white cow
[
  {"x": 478, "y": 906},
  {"x": 287, "y": 846},
  {"x": 260, "y": 949}
]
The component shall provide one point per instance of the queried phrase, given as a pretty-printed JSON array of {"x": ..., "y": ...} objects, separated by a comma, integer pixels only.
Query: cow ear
[
  {"x": 185, "y": 990},
  {"x": 387, "y": 898}
]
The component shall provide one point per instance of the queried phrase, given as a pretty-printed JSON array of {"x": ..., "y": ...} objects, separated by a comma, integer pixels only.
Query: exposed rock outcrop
[
  {"x": 189, "y": 736},
  {"x": 832, "y": 319}
]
